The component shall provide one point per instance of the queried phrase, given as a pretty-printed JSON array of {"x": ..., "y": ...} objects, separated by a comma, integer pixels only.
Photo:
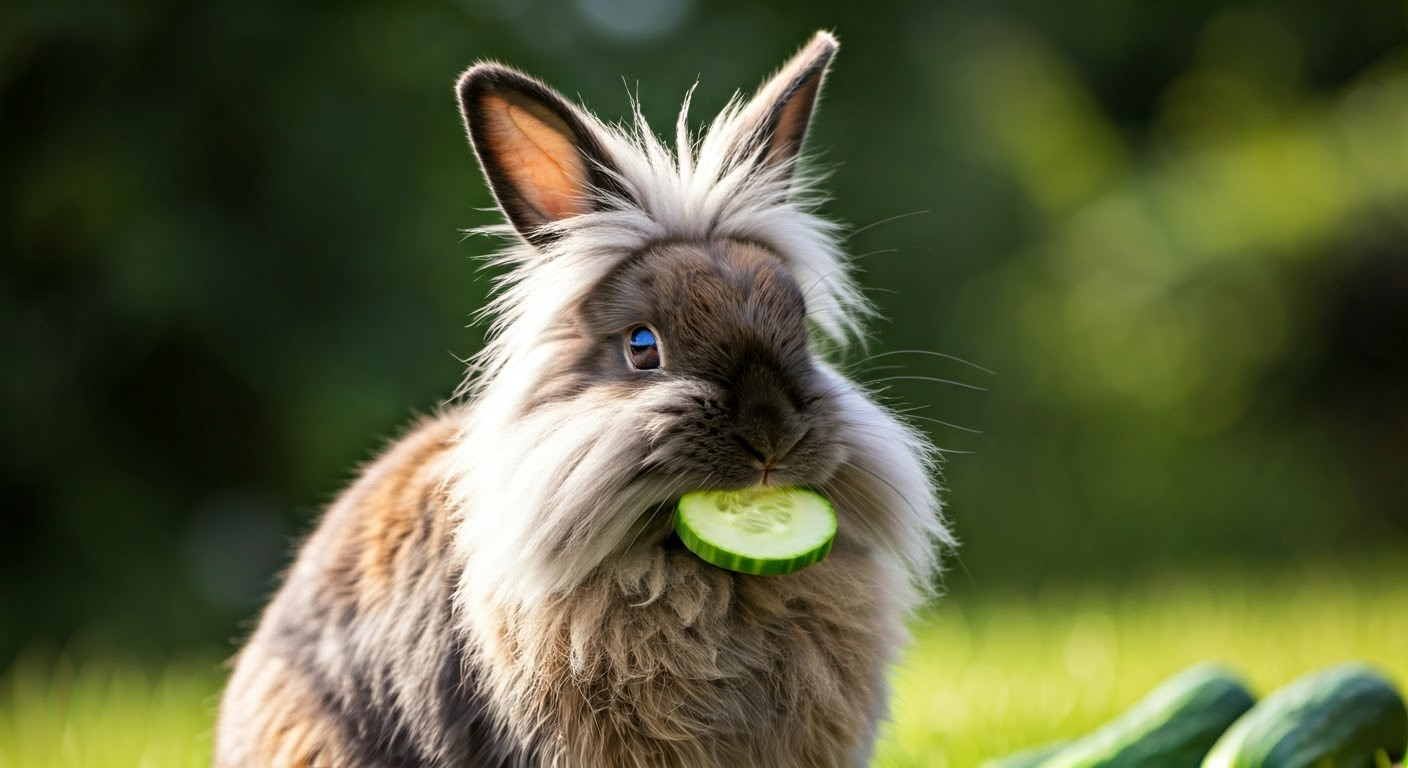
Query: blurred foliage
[{"x": 232, "y": 269}]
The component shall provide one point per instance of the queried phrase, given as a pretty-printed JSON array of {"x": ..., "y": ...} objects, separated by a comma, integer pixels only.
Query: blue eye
[{"x": 642, "y": 348}]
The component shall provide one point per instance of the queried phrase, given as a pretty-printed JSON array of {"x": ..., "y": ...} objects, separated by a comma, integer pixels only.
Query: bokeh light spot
[{"x": 635, "y": 19}]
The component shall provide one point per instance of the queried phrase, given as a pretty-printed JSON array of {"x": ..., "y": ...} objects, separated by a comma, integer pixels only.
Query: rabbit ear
[
  {"x": 777, "y": 117},
  {"x": 542, "y": 157}
]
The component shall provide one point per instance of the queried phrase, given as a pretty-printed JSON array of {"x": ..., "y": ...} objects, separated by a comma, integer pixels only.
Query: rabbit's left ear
[
  {"x": 776, "y": 119},
  {"x": 544, "y": 160}
]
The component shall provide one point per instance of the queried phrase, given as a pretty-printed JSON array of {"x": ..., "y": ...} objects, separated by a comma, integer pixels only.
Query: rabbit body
[{"x": 502, "y": 586}]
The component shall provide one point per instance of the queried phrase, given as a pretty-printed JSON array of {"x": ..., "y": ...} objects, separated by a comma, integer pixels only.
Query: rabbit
[{"x": 503, "y": 585}]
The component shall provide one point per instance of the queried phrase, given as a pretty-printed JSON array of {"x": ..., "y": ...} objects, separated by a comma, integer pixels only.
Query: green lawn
[{"x": 987, "y": 675}]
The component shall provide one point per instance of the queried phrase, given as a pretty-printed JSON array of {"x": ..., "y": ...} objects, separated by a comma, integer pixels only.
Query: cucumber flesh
[{"x": 763, "y": 531}]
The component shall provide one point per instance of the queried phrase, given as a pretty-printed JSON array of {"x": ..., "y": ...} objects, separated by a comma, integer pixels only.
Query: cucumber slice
[{"x": 764, "y": 531}]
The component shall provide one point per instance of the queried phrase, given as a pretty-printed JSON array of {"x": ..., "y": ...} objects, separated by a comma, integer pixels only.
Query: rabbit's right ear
[
  {"x": 543, "y": 159},
  {"x": 775, "y": 120}
]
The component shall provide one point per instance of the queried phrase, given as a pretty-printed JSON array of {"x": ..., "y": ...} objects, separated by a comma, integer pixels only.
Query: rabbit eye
[{"x": 643, "y": 348}]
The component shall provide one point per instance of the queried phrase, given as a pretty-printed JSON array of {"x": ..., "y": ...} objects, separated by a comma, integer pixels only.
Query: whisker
[
  {"x": 910, "y": 409},
  {"x": 642, "y": 529},
  {"x": 844, "y": 490},
  {"x": 883, "y": 368},
  {"x": 843, "y": 384},
  {"x": 880, "y": 252},
  {"x": 945, "y": 356},
  {"x": 835, "y": 485},
  {"x": 888, "y": 484},
  {"x": 941, "y": 422},
  {"x": 935, "y": 448},
  {"x": 820, "y": 279},
  {"x": 885, "y": 221},
  {"x": 933, "y": 380}
]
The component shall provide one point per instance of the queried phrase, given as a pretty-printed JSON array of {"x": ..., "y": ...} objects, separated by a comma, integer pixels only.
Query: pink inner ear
[
  {"x": 792, "y": 122},
  {"x": 783, "y": 105},
  {"x": 539, "y": 158}
]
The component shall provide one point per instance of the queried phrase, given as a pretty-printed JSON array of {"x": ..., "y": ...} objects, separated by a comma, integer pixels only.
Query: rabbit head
[{"x": 663, "y": 325}]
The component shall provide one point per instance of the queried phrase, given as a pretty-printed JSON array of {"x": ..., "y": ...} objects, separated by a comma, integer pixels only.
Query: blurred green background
[{"x": 1176, "y": 234}]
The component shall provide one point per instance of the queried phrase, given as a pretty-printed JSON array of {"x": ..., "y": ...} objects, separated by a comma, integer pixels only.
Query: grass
[
  {"x": 101, "y": 714},
  {"x": 986, "y": 676}
]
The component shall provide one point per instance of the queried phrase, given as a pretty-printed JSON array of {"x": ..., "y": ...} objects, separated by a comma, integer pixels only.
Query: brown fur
[
  {"x": 719, "y": 670},
  {"x": 377, "y": 541},
  {"x": 666, "y": 661},
  {"x": 287, "y": 725}
]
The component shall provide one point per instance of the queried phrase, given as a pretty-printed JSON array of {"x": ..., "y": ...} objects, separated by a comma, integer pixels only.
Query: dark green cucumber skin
[
  {"x": 715, "y": 556},
  {"x": 1173, "y": 727},
  {"x": 1027, "y": 758},
  {"x": 1341, "y": 717}
]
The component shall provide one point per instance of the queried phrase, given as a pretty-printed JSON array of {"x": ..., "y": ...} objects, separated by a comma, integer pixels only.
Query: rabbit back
[{"x": 358, "y": 659}]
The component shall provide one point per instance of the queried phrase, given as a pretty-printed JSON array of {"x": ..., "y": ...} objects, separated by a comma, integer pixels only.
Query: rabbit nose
[
  {"x": 769, "y": 449},
  {"x": 768, "y": 428}
]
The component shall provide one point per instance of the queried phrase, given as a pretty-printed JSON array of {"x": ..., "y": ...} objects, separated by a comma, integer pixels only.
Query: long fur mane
[{"x": 706, "y": 187}]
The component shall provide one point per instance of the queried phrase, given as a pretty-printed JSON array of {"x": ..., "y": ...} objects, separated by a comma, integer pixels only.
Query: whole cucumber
[
  {"x": 1173, "y": 727},
  {"x": 1346, "y": 716},
  {"x": 1027, "y": 758}
]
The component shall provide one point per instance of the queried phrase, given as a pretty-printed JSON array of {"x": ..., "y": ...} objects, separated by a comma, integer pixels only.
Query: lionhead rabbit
[{"x": 503, "y": 585}]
